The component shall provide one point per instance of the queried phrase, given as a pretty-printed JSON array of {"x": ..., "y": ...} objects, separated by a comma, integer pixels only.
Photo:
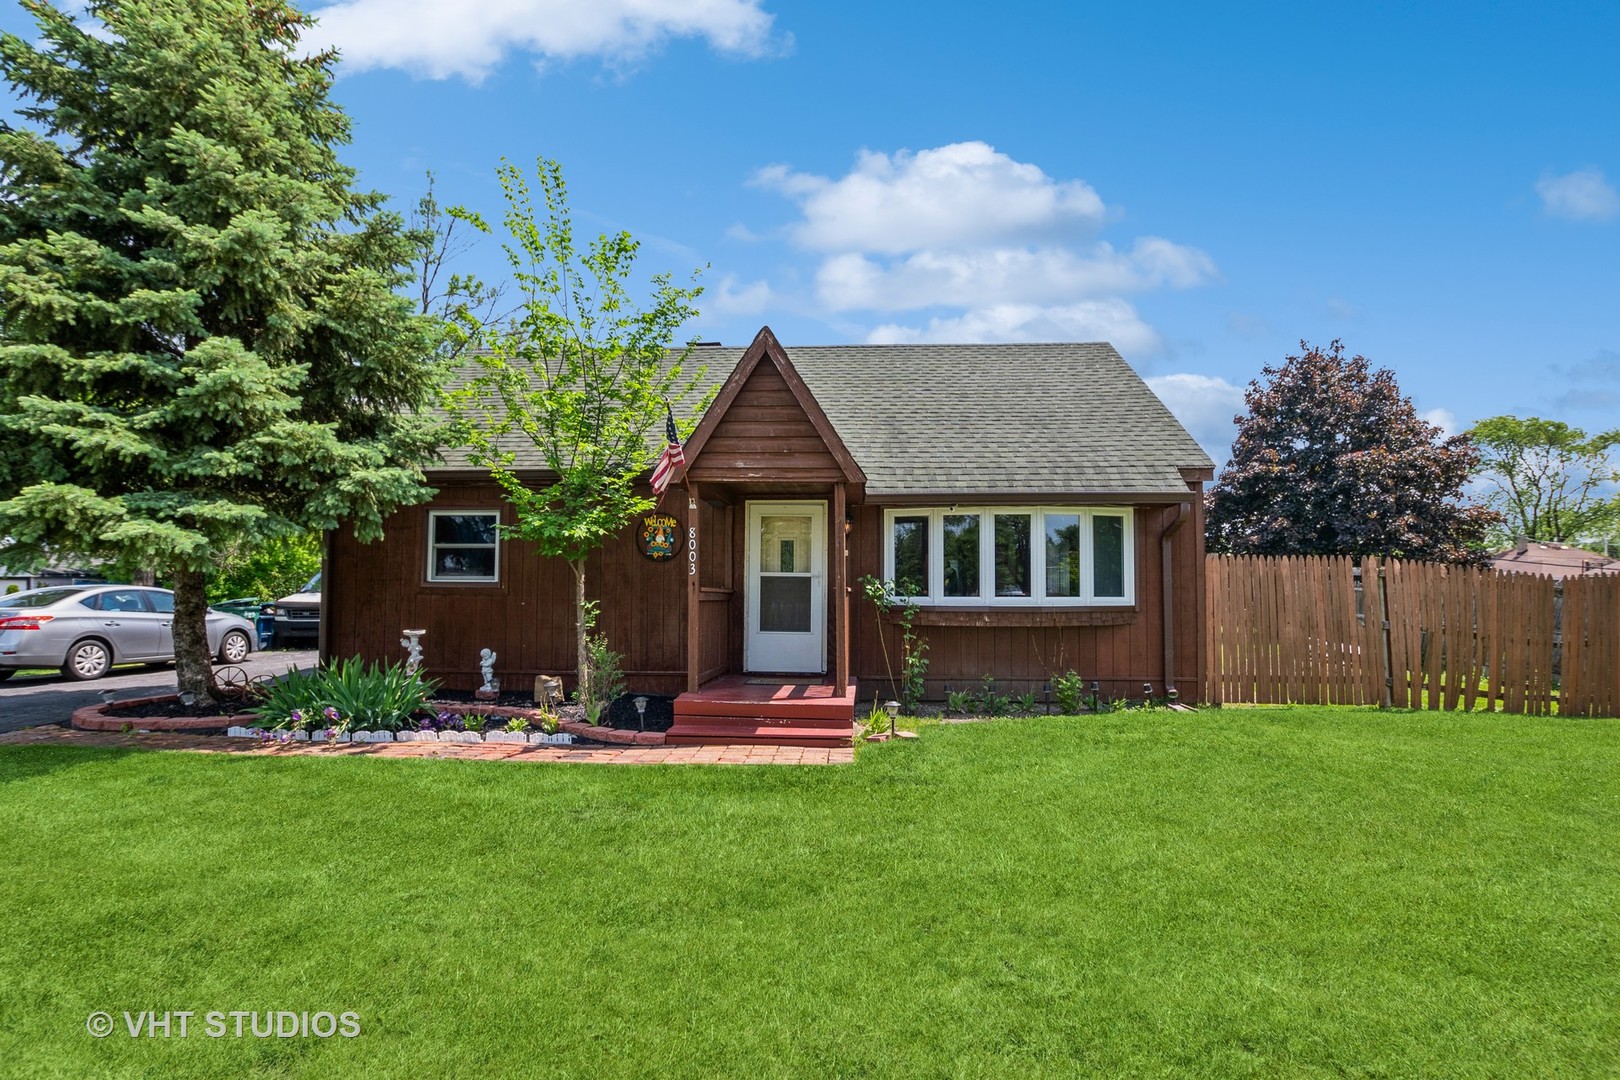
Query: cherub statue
[{"x": 486, "y": 662}]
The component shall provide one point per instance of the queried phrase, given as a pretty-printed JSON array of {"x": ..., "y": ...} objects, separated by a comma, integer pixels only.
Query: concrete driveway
[{"x": 26, "y": 701}]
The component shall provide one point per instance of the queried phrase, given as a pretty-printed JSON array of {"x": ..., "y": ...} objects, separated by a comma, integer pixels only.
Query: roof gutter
[{"x": 1166, "y": 534}]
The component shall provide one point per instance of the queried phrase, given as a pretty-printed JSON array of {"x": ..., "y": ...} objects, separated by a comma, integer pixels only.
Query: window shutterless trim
[
  {"x": 934, "y": 594},
  {"x": 434, "y": 547}
]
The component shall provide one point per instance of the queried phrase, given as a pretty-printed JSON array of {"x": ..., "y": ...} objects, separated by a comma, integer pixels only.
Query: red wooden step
[
  {"x": 756, "y": 735},
  {"x": 722, "y": 720}
]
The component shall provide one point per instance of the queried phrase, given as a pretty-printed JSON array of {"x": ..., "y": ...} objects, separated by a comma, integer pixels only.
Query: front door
[{"x": 786, "y": 587}]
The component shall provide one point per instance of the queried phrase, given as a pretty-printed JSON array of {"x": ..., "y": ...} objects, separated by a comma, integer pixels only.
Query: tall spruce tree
[
  {"x": 1333, "y": 460},
  {"x": 200, "y": 339}
]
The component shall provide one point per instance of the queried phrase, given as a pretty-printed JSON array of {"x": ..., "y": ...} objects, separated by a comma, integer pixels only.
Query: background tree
[
  {"x": 582, "y": 372},
  {"x": 268, "y": 570},
  {"x": 201, "y": 344},
  {"x": 1332, "y": 460},
  {"x": 461, "y": 302},
  {"x": 1549, "y": 481}
]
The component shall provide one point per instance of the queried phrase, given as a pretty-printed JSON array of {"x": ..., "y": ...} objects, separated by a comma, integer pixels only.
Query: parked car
[
  {"x": 298, "y": 616},
  {"x": 86, "y": 629}
]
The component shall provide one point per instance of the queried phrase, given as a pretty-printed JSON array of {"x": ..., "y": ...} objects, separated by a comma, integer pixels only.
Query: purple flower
[
  {"x": 297, "y": 717},
  {"x": 331, "y": 714}
]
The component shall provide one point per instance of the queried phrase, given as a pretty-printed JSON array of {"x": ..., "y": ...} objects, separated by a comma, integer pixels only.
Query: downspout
[{"x": 1167, "y": 534}]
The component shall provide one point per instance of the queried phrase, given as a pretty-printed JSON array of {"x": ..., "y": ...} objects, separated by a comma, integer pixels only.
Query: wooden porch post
[
  {"x": 694, "y": 637},
  {"x": 840, "y": 588}
]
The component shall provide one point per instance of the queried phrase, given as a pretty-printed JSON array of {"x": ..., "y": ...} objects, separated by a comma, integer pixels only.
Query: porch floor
[{"x": 750, "y": 709}]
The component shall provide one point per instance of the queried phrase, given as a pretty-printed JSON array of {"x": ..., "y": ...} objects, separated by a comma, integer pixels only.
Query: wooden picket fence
[{"x": 1318, "y": 630}]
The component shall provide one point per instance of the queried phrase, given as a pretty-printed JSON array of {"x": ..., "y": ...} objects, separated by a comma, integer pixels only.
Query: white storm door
[{"x": 786, "y": 587}]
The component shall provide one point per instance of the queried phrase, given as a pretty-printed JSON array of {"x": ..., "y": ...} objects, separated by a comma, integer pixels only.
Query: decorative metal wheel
[{"x": 232, "y": 683}]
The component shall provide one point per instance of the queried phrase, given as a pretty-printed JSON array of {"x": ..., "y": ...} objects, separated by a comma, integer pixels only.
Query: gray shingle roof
[{"x": 992, "y": 419}]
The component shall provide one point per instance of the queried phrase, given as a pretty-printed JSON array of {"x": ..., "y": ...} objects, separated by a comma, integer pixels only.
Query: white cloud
[
  {"x": 1087, "y": 320},
  {"x": 965, "y": 277},
  {"x": 1008, "y": 251},
  {"x": 964, "y": 193},
  {"x": 1583, "y": 195},
  {"x": 1444, "y": 419},
  {"x": 1205, "y": 405},
  {"x": 729, "y": 298},
  {"x": 442, "y": 40}
]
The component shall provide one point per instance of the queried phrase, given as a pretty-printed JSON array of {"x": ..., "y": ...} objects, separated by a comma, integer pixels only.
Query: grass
[{"x": 1265, "y": 892}]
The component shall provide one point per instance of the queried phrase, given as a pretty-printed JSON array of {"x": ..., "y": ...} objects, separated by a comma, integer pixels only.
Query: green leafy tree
[
  {"x": 1331, "y": 459},
  {"x": 1549, "y": 481},
  {"x": 201, "y": 341},
  {"x": 268, "y": 570},
  {"x": 582, "y": 372}
]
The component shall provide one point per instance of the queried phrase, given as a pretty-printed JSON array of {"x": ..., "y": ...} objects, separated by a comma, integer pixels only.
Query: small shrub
[
  {"x": 473, "y": 721},
  {"x": 605, "y": 681},
  {"x": 517, "y": 723},
  {"x": 961, "y": 702},
  {"x": 1070, "y": 691},
  {"x": 1026, "y": 705},
  {"x": 547, "y": 722},
  {"x": 875, "y": 722},
  {"x": 990, "y": 702}
]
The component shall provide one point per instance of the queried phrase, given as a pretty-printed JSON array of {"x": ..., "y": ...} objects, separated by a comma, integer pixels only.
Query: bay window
[{"x": 1014, "y": 556}]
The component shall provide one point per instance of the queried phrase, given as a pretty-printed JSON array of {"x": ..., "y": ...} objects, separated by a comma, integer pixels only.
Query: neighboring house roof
[
  {"x": 1557, "y": 560},
  {"x": 1036, "y": 419}
]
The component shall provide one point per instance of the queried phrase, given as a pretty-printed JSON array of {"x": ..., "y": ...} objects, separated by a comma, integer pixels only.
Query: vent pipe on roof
[{"x": 1521, "y": 544}]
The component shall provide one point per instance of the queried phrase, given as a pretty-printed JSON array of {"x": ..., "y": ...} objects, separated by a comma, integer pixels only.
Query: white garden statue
[{"x": 486, "y": 663}]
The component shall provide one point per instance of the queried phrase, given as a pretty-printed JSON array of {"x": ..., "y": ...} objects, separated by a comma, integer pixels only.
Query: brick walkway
[{"x": 592, "y": 755}]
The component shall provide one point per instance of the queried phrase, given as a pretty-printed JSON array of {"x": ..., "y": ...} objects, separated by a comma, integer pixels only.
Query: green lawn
[{"x": 1259, "y": 892}]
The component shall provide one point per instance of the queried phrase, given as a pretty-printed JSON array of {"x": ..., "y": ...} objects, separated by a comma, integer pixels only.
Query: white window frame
[
  {"x": 433, "y": 547},
  {"x": 934, "y": 596}
]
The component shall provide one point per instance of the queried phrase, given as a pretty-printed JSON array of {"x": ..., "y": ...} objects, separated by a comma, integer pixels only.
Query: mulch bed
[
  {"x": 171, "y": 707},
  {"x": 511, "y": 699},
  {"x": 621, "y": 715}
]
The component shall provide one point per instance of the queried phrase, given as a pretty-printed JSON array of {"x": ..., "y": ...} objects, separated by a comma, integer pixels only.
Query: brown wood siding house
[{"x": 1046, "y": 505}]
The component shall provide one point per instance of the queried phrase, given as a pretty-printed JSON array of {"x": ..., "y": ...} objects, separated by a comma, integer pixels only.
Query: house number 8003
[{"x": 691, "y": 550}]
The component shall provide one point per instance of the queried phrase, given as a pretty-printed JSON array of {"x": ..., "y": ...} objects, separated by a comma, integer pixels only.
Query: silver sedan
[{"x": 86, "y": 629}]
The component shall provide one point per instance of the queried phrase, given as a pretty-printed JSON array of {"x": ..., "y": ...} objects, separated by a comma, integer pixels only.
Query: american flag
[{"x": 671, "y": 459}]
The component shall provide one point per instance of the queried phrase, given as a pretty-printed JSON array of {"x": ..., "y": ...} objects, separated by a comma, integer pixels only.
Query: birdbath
[{"x": 412, "y": 642}]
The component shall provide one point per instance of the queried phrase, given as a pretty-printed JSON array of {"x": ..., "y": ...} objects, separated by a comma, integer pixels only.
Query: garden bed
[{"x": 167, "y": 713}]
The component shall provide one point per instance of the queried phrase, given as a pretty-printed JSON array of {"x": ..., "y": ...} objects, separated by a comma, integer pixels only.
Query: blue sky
[{"x": 1202, "y": 185}]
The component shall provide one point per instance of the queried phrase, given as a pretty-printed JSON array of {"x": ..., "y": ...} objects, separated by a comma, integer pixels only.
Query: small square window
[{"x": 463, "y": 546}]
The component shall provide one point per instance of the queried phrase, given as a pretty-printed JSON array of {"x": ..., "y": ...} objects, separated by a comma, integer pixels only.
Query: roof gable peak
[{"x": 765, "y": 349}]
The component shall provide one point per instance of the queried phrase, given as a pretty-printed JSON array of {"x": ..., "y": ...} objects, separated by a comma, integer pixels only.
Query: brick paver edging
[{"x": 593, "y": 755}]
